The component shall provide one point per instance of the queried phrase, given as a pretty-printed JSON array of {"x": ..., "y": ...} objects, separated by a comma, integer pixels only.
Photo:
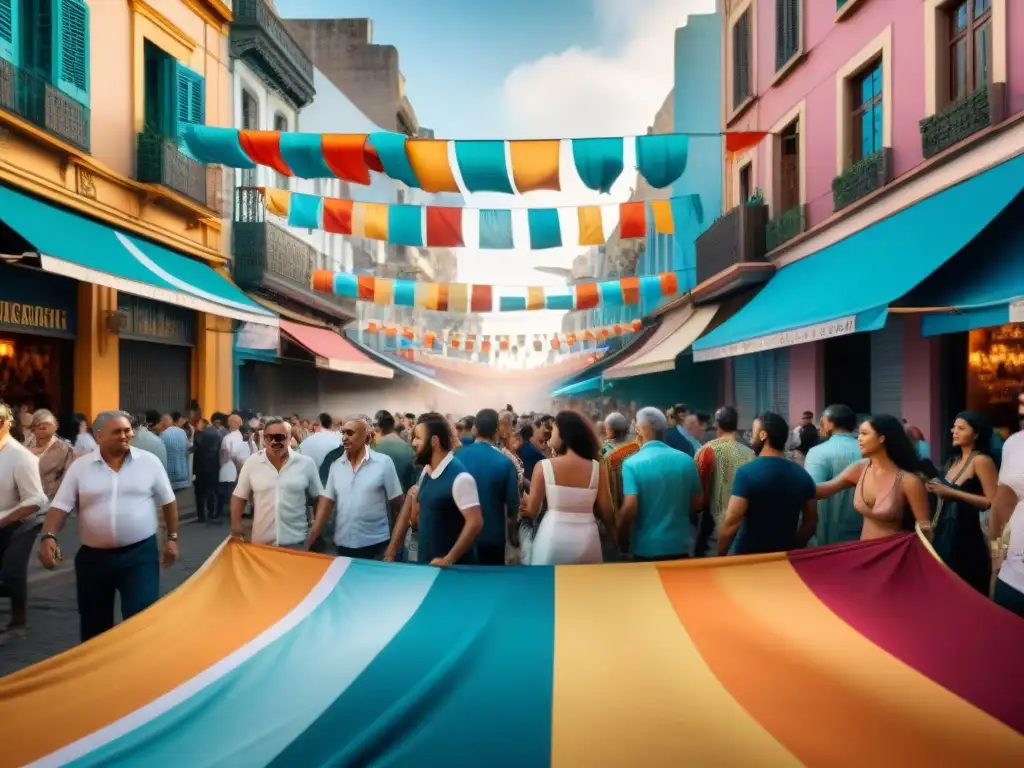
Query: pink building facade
[{"x": 870, "y": 107}]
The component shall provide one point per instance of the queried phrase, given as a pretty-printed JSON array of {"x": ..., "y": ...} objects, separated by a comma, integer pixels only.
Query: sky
[{"x": 479, "y": 69}]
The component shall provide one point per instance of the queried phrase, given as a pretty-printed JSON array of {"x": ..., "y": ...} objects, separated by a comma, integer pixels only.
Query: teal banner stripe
[
  {"x": 258, "y": 709},
  {"x": 467, "y": 682}
]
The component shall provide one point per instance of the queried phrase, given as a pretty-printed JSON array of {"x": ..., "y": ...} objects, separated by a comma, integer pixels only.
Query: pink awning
[{"x": 334, "y": 352}]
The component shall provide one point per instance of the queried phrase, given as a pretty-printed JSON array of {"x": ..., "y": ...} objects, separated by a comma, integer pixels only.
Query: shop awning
[
  {"x": 679, "y": 328},
  {"x": 77, "y": 247},
  {"x": 585, "y": 387},
  {"x": 848, "y": 287},
  {"x": 333, "y": 351},
  {"x": 980, "y": 287}
]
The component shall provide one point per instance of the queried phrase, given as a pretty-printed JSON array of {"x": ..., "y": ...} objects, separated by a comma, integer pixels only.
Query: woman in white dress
[{"x": 575, "y": 485}]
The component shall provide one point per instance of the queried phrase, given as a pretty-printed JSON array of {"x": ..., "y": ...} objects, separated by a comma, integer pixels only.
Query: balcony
[
  {"x": 985, "y": 107},
  {"x": 862, "y": 178},
  {"x": 36, "y": 100},
  {"x": 731, "y": 253},
  {"x": 259, "y": 37},
  {"x": 785, "y": 226},
  {"x": 159, "y": 161},
  {"x": 269, "y": 258}
]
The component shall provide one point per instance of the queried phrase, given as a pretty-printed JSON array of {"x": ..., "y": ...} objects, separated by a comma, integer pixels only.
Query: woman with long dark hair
[
  {"x": 81, "y": 435},
  {"x": 962, "y": 496},
  {"x": 885, "y": 480},
  {"x": 575, "y": 485}
]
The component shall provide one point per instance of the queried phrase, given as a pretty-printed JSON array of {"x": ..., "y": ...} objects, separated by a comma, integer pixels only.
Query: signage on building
[
  {"x": 149, "y": 320},
  {"x": 36, "y": 303},
  {"x": 842, "y": 326},
  {"x": 1017, "y": 311}
]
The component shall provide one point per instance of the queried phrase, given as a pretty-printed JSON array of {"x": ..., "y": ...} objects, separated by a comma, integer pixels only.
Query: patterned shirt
[
  {"x": 520, "y": 471},
  {"x": 614, "y": 461},
  {"x": 717, "y": 463}
]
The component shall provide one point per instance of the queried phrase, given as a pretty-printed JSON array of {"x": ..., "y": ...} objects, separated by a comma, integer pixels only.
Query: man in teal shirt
[
  {"x": 837, "y": 519},
  {"x": 661, "y": 494}
]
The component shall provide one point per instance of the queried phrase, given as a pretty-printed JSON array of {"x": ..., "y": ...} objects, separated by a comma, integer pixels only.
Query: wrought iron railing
[
  {"x": 737, "y": 237},
  {"x": 37, "y": 100},
  {"x": 160, "y": 161}
]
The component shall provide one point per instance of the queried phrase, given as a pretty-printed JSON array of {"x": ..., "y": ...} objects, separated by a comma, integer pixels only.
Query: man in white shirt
[
  {"x": 279, "y": 482},
  {"x": 230, "y": 464},
  {"x": 117, "y": 490},
  {"x": 364, "y": 485},
  {"x": 323, "y": 440},
  {"x": 1008, "y": 509},
  {"x": 21, "y": 496}
]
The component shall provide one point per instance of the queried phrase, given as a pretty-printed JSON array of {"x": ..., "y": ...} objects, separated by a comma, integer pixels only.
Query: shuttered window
[
  {"x": 9, "y": 30},
  {"x": 741, "y": 60},
  {"x": 189, "y": 102},
  {"x": 154, "y": 376},
  {"x": 744, "y": 378},
  {"x": 887, "y": 368},
  {"x": 772, "y": 376},
  {"x": 787, "y": 31},
  {"x": 71, "y": 48}
]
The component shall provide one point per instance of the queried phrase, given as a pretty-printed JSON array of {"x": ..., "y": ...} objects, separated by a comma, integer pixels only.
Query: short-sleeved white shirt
[
  {"x": 115, "y": 509},
  {"x": 361, "y": 496},
  {"x": 464, "y": 491},
  {"x": 279, "y": 499},
  {"x": 1011, "y": 474},
  {"x": 230, "y": 443}
]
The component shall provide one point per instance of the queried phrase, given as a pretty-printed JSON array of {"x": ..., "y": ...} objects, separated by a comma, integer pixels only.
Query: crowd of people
[{"x": 494, "y": 489}]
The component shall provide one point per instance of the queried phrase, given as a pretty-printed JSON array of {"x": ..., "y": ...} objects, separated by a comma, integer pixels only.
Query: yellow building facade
[{"x": 100, "y": 198}]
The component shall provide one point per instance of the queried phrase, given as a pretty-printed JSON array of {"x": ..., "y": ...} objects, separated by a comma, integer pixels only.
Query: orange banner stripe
[
  {"x": 264, "y": 148},
  {"x": 535, "y": 164},
  {"x": 191, "y": 629},
  {"x": 630, "y": 290},
  {"x": 750, "y": 625},
  {"x": 429, "y": 161},
  {"x": 346, "y": 155},
  {"x": 535, "y": 297},
  {"x": 367, "y": 284}
]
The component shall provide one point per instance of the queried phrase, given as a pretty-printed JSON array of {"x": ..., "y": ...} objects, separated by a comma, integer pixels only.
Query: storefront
[
  {"x": 155, "y": 350},
  {"x": 37, "y": 332}
]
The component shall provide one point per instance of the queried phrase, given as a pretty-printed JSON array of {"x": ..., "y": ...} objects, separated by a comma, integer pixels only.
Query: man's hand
[
  {"x": 442, "y": 562},
  {"x": 170, "y": 554},
  {"x": 389, "y": 556},
  {"x": 414, "y": 492},
  {"x": 48, "y": 553}
]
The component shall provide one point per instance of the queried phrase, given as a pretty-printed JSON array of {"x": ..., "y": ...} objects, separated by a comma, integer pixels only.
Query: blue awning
[
  {"x": 848, "y": 286},
  {"x": 983, "y": 285},
  {"x": 77, "y": 247},
  {"x": 586, "y": 387}
]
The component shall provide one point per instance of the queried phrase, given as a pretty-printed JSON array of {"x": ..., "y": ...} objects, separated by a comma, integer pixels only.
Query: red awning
[{"x": 333, "y": 351}]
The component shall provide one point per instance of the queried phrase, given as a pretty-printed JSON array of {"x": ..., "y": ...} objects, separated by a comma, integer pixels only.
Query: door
[{"x": 155, "y": 377}]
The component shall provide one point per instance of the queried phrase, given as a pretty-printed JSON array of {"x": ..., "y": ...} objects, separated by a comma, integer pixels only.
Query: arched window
[
  {"x": 250, "y": 122},
  {"x": 280, "y": 124}
]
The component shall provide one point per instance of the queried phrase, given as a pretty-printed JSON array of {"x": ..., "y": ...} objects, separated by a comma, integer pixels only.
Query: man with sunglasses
[{"x": 279, "y": 482}]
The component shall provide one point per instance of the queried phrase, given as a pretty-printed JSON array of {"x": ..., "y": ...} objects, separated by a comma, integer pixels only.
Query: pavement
[{"x": 53, "y": 609}]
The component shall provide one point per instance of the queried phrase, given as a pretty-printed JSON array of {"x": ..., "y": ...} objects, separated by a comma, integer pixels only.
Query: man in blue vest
[
  {"x": 444, "y": 504},
  {"x": 497, "y": 483}
]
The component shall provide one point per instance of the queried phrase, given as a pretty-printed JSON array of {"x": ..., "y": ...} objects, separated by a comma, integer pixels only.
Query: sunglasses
[{"x": 277, "y": 438}]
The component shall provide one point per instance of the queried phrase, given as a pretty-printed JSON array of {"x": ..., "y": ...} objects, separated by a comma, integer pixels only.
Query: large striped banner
[{"x": 866, "y": 654}]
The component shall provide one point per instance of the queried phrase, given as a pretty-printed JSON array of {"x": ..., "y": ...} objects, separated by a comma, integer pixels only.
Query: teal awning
[
  {"x": 77, "y": 247},
  {"x": 981, "y": 287},
  {"x": 586, "y": 387},
  {"x": 848, "y": 286}
]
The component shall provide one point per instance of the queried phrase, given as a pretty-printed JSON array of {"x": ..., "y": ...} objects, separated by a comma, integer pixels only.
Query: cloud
[{"x": 611, "y": 90}]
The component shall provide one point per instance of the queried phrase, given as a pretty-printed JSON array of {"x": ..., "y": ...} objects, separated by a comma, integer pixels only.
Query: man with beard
[
  {"x": 769, "y": 495},
  {"x": 445, "y": 504}
]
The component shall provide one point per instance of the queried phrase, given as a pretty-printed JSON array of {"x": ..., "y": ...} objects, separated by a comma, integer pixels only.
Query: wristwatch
[
  {"x": 46, "y": 536},
  {"x": 172, "y": 537}
]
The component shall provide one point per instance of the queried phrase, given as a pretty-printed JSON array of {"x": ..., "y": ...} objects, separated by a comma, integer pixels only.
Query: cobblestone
[{"x": 53, "y": 611}]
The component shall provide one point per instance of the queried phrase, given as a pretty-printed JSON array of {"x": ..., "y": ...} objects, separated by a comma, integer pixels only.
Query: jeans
[
  {"x": 132, "y": 571},
  {"x": 16, "y": 542}
]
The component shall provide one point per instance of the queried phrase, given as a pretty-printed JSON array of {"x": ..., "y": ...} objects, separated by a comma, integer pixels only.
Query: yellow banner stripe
[{"x": 664, "y": 222}]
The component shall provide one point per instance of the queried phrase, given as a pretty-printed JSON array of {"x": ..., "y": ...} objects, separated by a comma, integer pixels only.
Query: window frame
[
  {"x": 969, "y": 36},
  {"x": 731, "y": 108},
  {"x": 737, "y": 101},
  {"x": 880, "y": 47},
  {"x": 860, "y": 107},
  {"x": 282, "y": 124},
  {"x": 783, "y": 66}
]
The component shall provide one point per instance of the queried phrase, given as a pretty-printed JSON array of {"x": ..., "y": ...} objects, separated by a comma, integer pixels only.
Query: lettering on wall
[
  {"x": 33, "y": 316},
  {"x": 842, "y": 326},
  {"x": 155, "y": 321}
]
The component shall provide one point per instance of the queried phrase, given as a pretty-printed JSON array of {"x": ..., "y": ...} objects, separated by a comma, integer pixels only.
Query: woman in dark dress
[{"x": 962, "y": 496}]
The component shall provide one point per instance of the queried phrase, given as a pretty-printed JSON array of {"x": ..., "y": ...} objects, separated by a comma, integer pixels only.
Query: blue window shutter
[
  {"x": 9, "y": 29},
  {"x": 71, "y": 48},
  {"x": 189, "y": 102}
]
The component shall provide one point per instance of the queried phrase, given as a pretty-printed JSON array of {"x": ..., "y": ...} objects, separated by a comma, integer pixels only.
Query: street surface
[{"x": 53, "y": 613}]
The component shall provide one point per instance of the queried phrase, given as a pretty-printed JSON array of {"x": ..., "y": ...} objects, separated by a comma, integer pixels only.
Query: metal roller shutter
[
  {"x": 781, "y": 406},
  {"x": 744, "y": 377},
  {"x": 772, "y": 375},
  {"x": 887, "y": 369},
  {"x": 154, "y": 376}
]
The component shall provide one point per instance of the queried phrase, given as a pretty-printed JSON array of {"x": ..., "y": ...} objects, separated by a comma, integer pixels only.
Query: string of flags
[
  {"x": 446, "y": 227},
  {"x": 472, "y": 297},
  {"x": 486, "y": 343},
  {"x": 507, "y": 167}
]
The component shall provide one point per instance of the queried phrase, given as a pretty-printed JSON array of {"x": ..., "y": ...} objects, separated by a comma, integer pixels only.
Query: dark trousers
[
  {"x": 372, "y": 552},
  {"x": 132, "y": 571},
  {"x": 224, "y": 499},
  {"x": 659, "y": 558},
  {"x": 207, "y": 498},
  {"x": 705, "y": 531},
  {"x": 490, "y": 554},
  {"x": 16, "y": 542},
  {"x": 1009, "y": 598}
]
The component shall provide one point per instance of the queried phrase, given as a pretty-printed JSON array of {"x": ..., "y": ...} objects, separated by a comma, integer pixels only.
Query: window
[
  {"x": 50, "y": 39},
  {"x": 741, "y": 60},
  {"x": 970, "y": 47},
  {"x": 745, "y": 188},
  {"x": 249, "y": 177},
  {"x": 866, "y": 120},
  {"x": 175, "y": 96},
  {"x": 787, "y": 31},
  {"x": 789, "y": 167},
  {"x": 281, "y": 125}
]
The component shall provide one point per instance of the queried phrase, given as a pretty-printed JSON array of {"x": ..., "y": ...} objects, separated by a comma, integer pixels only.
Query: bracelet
[{"x": 46, "y": 536}]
